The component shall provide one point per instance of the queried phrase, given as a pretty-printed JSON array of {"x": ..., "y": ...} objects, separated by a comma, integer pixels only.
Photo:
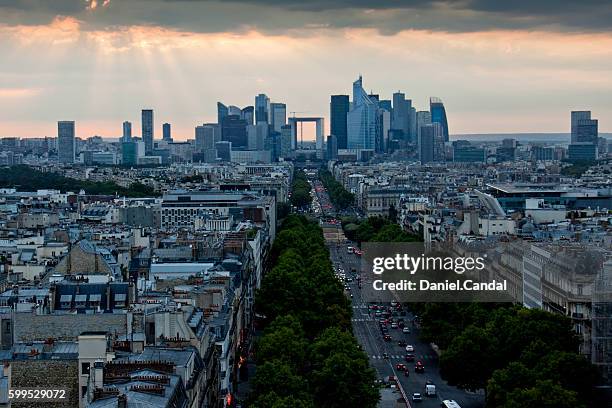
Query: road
[
  {"x": 366, "y": 329},
  {"x": 368, "y": 333}
]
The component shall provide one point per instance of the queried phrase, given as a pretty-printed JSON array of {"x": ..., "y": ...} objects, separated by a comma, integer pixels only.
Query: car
[
  {"x": 416, "y": 397},
  {"x": 409, "y": 357},
  {"x": 419, "y": 367},
  {"x": 401, "y": 343},
  {"x": 406, "y": 330},
  {"x": 409, "y": 348},
  {"x": 386, "y": 337},
  {"x": 400, "y": 366},
  {"x": 394, "y": 325}
]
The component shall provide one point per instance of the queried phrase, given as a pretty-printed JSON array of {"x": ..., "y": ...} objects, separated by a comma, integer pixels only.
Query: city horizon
[{"x": 99, "y": 62}]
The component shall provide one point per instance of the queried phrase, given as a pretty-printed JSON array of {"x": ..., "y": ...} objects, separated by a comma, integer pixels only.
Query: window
[{"x": 85, "y": 368}]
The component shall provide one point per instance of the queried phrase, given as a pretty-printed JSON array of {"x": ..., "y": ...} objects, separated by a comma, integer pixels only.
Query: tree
[
  {"x": 273, "y": 400},
  {"x": 544, "y": 394},
  {"x": 280, "y": 378},
  {"x": 283, "y": 341},
  {"x": 470, "y": 359},
  {"x": 392, "y": 214}
]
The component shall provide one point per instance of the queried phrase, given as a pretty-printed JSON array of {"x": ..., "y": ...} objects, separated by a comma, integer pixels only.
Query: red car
[
  {"x": 419, "y": 367},
  {"x": 400, "y": 366}
]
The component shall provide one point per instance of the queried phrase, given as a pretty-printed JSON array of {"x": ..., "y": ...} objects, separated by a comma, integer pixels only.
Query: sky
[{"x": 499, "y": 66}]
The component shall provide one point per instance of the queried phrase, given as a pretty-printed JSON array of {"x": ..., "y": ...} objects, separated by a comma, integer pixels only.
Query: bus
[{"x": 449, "y": 404}]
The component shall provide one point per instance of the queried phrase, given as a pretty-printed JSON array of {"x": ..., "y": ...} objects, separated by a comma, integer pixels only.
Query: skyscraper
[
  {"x": 426, "y": 144},
  {"x": 361, "y": 119},
  {"x": 127, "y": 131},
  {"x": 400, "y": 119},
  {"x": 147, "y": 130},
  {"x": 205, "y": 142},
  {"x": 65, "y": 141},
  {"x": 278, "y": 116},
  {"x": 339, "y": 107},
  {"x": 332, "y": 147},
  {"x": 422, "y": 118},
  {"x": 222, "y": 112},
  {"x": 248, "y": 114},
  {"x": 262, "y": 108},
  {"x": 584, "y": 129},
  {"x": 438, "y": 114},
  {"x": 166, "y": 132},
  {"x": 233, "y": 129}
]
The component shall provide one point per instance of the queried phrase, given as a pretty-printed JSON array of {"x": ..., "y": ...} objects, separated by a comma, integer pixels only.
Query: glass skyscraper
[
  {"x": 438, "y": 115},
  {"x": 147, "y": 130},
  {"x": 339, "y": 108},
  {"x": 166, "y": 132},
  {"x": 362, "y": 119},
  {"x": 65, "y": 141},
  {"x": 127, "y": 131},
  {"x": 584, "y": 129},
  {"x": 262, "y": 108}
]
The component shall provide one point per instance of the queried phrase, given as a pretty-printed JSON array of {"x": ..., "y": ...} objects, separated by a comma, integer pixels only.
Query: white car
[
  {"x": 406, "y": 330},
  {"x": 409, "y": 348},
  {"x": 417, "y": 397}
]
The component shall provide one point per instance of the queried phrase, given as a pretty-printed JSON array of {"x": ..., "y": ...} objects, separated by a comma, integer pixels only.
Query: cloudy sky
[{"x": 499, "y": 66}]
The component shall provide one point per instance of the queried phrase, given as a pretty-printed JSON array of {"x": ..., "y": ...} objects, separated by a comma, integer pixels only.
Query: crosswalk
[
  {"x": 360, "y": 306},
  {"x": 357, "y": 319}
]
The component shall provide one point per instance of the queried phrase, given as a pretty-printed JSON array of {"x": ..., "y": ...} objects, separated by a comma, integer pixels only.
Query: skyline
[{"x": 100, "y": 63}]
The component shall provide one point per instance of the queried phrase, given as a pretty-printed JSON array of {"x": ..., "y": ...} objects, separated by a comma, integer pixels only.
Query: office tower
[
  {"x": 262, "y": 108},
  {"x": 147, "y": 130},
  {"x": 426, "y": 144},
  {"x": 422, "y": 118},
  {"x": 382, "y": 135},
  {"x": 582, "y": 151},
  {"x": 464, "y": 152},
  {"x": 412, "y": 125},
  {"x": 339, "y": 108},
  {"x": 127, "y": 131},
  {"x": 584, "y": 129},
  {"x": 205, "y": 139},
  {"x": 400, "y": 119},
  {"x": 234, "y": 110},
  {"x": 439, "y": 150},
  {"x": 438, "y": 114},
  {"x": 222, "y": 112},
  {"x": 224, "y": 150},
  {"x": 386, "y": 105},
  {"x": 233, "y": 129},
  {"x": 286, "y": 139},
  {"x": 131, "y": 151},
  {"x": 166, "y": 132},
  {"x": 248, "y": 114},
  {"x": 361, "y": 119},
  {"x": 251, "y": 131},
  {"x": 261, "y": 131},
  {"x": 65, "y": 141},
  {"x": 278, "y": 116},
  {"x": 332, "y": 147}
]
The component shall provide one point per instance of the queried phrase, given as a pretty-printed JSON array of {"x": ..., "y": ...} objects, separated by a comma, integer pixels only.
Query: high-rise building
[
  {"x": 400, "y": 119},
  {"x": 278, "y": 116},
  {"x": 584, "y": 129},
  {"x": 65, "y": 141},
  {"x": 262, "y": 108},
  {"x": 127, "y": 131},
  {"x": 339, "y": 108},
  {"x": 422, "y": 118},
  {"x": 426, "y": 144},
  {"x": 222, "y": 112},
  {"x": 465, "y": 152},
  {"x": 362, "y": 119},
  {"x": 382, "y": 135},
  {"x": 224, "y": 150},
  {"x": 438, "y": 115},
  {"x": 147, "y": 130},
  {"x": 286, "y": 140},
  {"x": 166, "y": 132},
  {"x": 234, "y": 130},
  {"x": 332, "y": 147},
  {"x": 248, "y": 114}
]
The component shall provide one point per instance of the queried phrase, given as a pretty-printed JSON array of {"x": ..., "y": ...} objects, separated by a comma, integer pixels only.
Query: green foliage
[
  {"x": 577, "y": 168},
  {"x": 518, "y": 355},
  {"x": 25, "y": 178},
  {"x": 307, "y": 355},
  {"x": 282, "y": 210},
  {"x": 377, "y": 229},
  {"x": 300, "y": 190},
  {"x": 338, "y": 195}
]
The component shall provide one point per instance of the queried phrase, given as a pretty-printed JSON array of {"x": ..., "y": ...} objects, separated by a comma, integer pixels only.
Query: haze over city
[{"x": 498, "y": 70}]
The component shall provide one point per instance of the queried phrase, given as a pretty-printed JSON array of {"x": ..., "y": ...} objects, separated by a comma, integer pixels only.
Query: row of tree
[
  {"x": 522, "y": 357},
  {"x": 307, "y": 355},
  {"x": 338, "y": 195},
  {"x": 25, "y": 178},
  {"x": 375, "y": 229},
  {"x": 300, "y": 190}
]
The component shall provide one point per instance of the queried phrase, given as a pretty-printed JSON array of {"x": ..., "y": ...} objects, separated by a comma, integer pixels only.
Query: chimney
[{"x": 98, "y": 374}]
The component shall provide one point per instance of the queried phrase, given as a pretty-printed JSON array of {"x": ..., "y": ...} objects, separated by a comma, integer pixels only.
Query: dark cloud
[{"x": 279, "y": 16}]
